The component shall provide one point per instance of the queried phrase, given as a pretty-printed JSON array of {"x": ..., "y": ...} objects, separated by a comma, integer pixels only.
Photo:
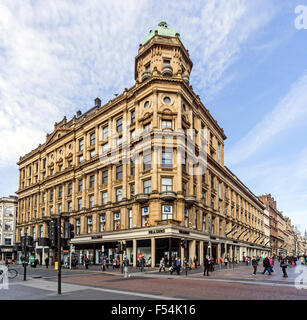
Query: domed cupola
[{"x": 162, "y": 54}]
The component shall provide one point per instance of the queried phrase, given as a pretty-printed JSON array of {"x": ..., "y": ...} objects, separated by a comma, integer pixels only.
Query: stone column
[
  {"x": 225, "y": 253},
  {"x": 134, "y": 252},
  {"x": 153, "y": 252},
  {"x": 219, "y": 251},
  {"x": 192, "y": 249},
  {"x": 201, "y": 252}
]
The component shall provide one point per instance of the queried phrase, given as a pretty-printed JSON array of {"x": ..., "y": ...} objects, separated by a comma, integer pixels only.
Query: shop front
[{"x": 7, "y": 253}]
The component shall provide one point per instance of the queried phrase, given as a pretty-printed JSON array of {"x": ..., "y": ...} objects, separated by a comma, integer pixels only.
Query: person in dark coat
[
  {"x": 266, "y": 265},
  {"x": 47, "y": 262},
  {"x": 87, "y": 262},
  {"x": 255, "y": 265},
  {"x": 284, "y": 265},
  {"x": 206, "y": 265}
]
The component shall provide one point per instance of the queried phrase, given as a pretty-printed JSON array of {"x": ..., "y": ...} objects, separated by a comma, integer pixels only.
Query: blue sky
[{"x": 250, "y": 70}]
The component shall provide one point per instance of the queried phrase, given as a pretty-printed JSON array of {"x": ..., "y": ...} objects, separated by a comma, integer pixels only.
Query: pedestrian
[
  {"x": 284, "y": 265},
  {"x": 178, "y": 266},
  {"x": 173, "y": 266},
  {"x": 190, "y": 263},
  {"x": 195, "y": 262},
  {"x": 114, "y": 263},
  {"x": 87, "y": 261},
  {"x": 162, "y": 264},
  {"x": 104, "y": 262},
  {"x": 206, "y": 265},
  {"x": 302, "y": 260},
  {"x": 143, "y": 264},
  {"x": 226, "y": 261},
  {"x": 246, "y": 260},
  {"x": 266, "y": 265},
  {"x": 47, "y": 262},
  {"x": 255, "y": 265},
  {"x": 126, "y": 265},
  {"x": 212, "y": 264}
]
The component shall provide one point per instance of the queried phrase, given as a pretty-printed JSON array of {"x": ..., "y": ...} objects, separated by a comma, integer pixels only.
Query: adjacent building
[
  {"x": 8, "y": 211},
  {"x": 146, "y": 169}
]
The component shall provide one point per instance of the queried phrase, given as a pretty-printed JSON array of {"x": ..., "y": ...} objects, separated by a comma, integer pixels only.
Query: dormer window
[
  {"x": 147, "y": 67},
  {"x": 166, "y": 62}
]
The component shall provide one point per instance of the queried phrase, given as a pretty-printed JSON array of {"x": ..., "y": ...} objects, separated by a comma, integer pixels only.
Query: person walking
[
  {"x": 143, "y": 264},
  {"x": 266, "y": 265},
  {"x": 178, "y": 266},
  {"x": 162, "y": 264},
  {"x": 246, "y": 260},
  {"x": 47, "y": 262},
  {"x": 226, "y": 261},
  {"x": 284, "y": 265},
  {"x": 206, "y": 265},
  {"x": 87, "y": 261},
  {"x": 126, "y": 265},
  {"x": 104, "y": 262},
  {"x": 255, "y": 265},
  {"x": 271, "y": 264},
  {"x": 195, "y": 262}
]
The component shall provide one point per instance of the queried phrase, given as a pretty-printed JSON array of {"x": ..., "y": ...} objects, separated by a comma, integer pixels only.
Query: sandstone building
[{"x": 147, "y": 169}]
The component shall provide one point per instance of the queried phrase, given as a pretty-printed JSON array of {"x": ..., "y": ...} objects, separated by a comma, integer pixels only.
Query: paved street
[{"x": 238, "y": 283}]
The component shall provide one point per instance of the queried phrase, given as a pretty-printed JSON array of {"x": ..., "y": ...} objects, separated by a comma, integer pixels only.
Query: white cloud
[
  {"x": 57, "y": 56},
  {"x": 290, "y": 111}
]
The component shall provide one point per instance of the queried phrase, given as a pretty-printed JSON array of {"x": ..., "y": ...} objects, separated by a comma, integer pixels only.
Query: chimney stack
[{"x": 97, "y": 102}]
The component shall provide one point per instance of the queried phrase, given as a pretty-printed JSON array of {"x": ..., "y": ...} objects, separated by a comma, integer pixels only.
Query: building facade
[
  {"x": 8, "y": 211},
  {"x": 146, "y": 169}
]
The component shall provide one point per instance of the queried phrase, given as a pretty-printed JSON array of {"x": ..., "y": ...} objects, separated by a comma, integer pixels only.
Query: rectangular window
[
  {"x": 131, "y": 189},
  {"x": 78, "y": 226},
  {"x": 79, "y": 204},
  {"x": 119, "y": 125},
  {"x": 81, "y": 145},
  {"x": 119, "y": 194},
  {"x": 105, "y": 147},
  {"x": 105, "y": 177},
  {"x": 147, "y": 186},
  {"x": 132, "y": 116},
  {"x": 218, "y": 152},
  {"x": 59, "y": 207},
  {"x": 34, "y": 233},
  {"x": 44, "y": 197},
  {"x": 69, "y": 163},
  {"x": 92, "y": 139},
  {"x": 186, "y": 217},
  {"x": 147, "y": 127},
  {"x": 147, "y": 161},
  {"x": 80, "y": 158},
  {"x": 89, "y": 225},
  {"x": 119, "y": 141},
  {"x": 132, "y": 168},
  {"x": 91, "y": 201},
  {"x": 92, "y": 154},
  {"x": 60, "y": 192},
  {"x": 105, "y": 132},
  {"x": 119, "y": 173},
  {"x": 41, "y": 231},
  {"x": 69, "y": 206},
  {"x": 92, "y": 182},
  {"x": 132, "y": 135},
  {"x": 145, "y": 217},
  {"x": 102, "y": 221},
  {"x": 69, "y": 190},
  {"x": 80, "y": 185},
  {"x": 166, "y": 124},
  {"x": 51, "y": 210},
  {"x": 130, "y": 219},
  {"x": 166, "y": 62},
  {"x": 204, "y": 223},
  {"x": 104, "y": 197},
  {"x": 43, "y": 212},
  {"x": 167, "y": 159},
  {"x": 184, "y": 188},
  {"x": 116, "y": 221},
  {"x": 51, "y": 195},
  {"x": 167, "y": 212},
  {"x": 167, "y": 184},
  {"x": 203, "y": 196},
  {"x": 44, "y": 165}
]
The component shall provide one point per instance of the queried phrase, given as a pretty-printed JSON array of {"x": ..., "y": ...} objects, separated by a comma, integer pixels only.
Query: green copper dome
[{"x": 163, "y": 30}]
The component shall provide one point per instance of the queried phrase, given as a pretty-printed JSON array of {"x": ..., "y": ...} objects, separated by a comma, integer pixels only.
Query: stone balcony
[
  {"x": 146, "y": 75},
  {"x": 168, "y": 196},
  {"x": 167, "y": 71},
  {"x": 190, "y": 200},
  {"x": 142, "y": 197}
]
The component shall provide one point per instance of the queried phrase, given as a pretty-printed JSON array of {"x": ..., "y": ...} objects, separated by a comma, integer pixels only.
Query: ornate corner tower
[{"x": 162, "y": 54}]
